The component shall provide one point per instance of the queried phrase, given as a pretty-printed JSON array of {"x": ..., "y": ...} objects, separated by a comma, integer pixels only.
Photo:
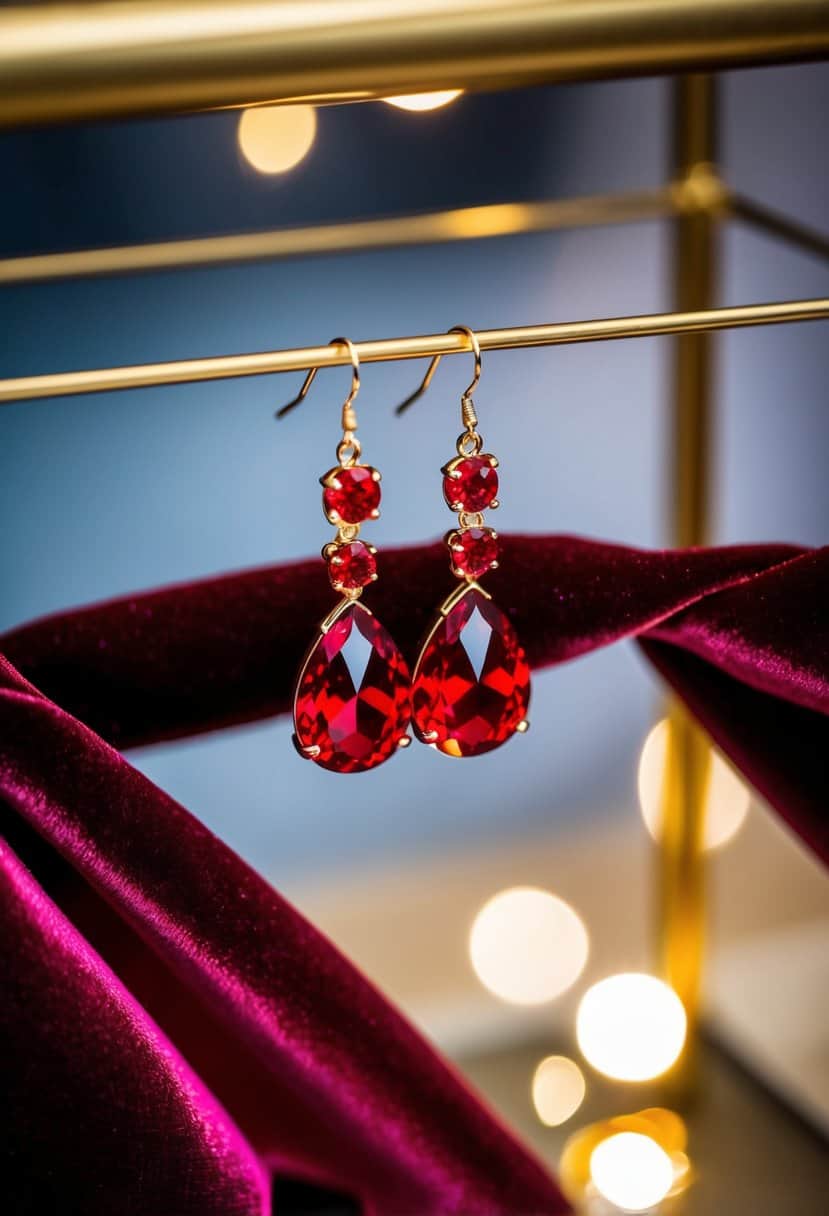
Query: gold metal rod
[
  {"x": 681, "y": 875},
  {"x": 481, "y": 222},
  {"x": 70, "y": 62},
  {"x": 694, "y": 288},
  {"x": 460, "y": 224},
  {"x": 775, "y": 224},
  {"x": 65, "y": 384}
]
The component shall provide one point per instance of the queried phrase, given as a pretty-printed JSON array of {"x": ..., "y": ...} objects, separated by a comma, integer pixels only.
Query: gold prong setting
[
  {"x": 308, "y": 753},
  {"x": 473, "y": 548},
  {"x": 351, "y": 493}
]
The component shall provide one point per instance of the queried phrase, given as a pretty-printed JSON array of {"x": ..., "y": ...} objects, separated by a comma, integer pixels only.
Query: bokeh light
[
  {"x": 558, "y": 1090},
  {"x": 631, "y": 1027},
  {"x": 664, "y": 1127},
  {"x": 527, "y": 946},
  {"x": 727, "y": 798},
  {"x": 631, "y": 1171},
  {"x": 276, "y": 138},
  {"x": 424, "y": 101}
]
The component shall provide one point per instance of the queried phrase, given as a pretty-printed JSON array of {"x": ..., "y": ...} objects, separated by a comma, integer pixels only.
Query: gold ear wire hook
[
  {"x": 467, "y": 409},
  {"x": 349, "y": 419}
]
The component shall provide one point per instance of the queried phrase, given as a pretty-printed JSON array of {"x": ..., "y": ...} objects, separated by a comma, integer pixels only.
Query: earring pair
[{"x": 354, "y": 698}]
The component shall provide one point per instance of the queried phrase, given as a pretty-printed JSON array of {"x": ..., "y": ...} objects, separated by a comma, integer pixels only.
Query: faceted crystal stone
[
  {"x": 471, "y": 483},
  {"x": 474, "y": 551},
  {"x": 471, "y": 686},
  {"x": 352, "y": 703},
  {"x": 351, "y": 566},
  {"x": 351, "y": 495}
]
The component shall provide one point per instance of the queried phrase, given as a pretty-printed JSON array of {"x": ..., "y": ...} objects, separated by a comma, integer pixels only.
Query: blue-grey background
[{"x": 108, "y": 494}]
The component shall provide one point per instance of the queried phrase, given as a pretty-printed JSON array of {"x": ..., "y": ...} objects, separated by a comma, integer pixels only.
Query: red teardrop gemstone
[
  {"x": 471, "y": 686},
  {"x": 352, "y": 701}
]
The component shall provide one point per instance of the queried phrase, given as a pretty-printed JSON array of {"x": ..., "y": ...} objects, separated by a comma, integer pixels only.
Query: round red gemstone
[
  {"x": 473, "y": 551},
  {"x": 352, "y": 701},
  {"x": 471, "y": 483},
  {"x": 471, "y": 686},
  {"x": 351, "y": 566},
  {"x": 351, "y": 495}
]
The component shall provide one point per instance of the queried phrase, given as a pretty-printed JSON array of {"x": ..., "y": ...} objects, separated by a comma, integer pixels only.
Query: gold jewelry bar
[
  {"x": 83, "y": 61},
  {"x": 65, "y": 384},
  {"x": 482, "y": 222},
  {"x": 439, "y": 227}
]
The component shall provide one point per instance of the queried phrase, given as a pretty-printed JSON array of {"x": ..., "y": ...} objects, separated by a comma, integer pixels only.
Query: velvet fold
[
  {"x": 201, "y": 1035},
  {"x": 304, "y": 1067}
]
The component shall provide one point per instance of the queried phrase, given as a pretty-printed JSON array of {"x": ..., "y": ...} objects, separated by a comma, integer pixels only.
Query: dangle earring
[
  {"x": 471, "y": 682},
  {"x": 352, "y": 693}
]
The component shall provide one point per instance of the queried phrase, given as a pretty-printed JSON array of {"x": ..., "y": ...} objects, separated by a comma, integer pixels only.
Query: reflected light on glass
[
  {"x": 276, "y": 138},
  {"x": 727, "y": 799},
  {"x": 631, "y": 1171},
  {"x": 424, "y": 101},
  {"x": 631, "y": 1027},
  {"x": 527, "y": 946},
  {"x": 558, "y": 1090}
]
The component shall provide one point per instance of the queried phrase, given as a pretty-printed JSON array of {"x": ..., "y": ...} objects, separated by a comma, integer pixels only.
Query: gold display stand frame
[{"x": 105, "y": 60}]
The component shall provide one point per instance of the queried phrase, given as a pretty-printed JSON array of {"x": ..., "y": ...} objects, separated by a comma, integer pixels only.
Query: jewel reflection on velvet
[
  {"x": 352, "y": 697},
  {"x": 471, "y": 685}
]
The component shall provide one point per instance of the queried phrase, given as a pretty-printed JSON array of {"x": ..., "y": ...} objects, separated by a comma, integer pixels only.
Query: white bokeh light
[
  {"x": 528, "y": 946},
  {"x": 727, "y": 798},
  {"x": 558, "y": 1090},
  {"x": 276, "y": 138},
  {"x": 631, "y": 1027},
  {"x": 424, "y": 101},
  {"x": 631, "y": 1171}
]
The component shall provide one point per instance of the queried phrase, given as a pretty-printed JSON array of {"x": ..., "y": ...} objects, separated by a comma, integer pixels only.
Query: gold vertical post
[
  {"x": 682, "y": 879},
  {"x": 694, "y": 271}
]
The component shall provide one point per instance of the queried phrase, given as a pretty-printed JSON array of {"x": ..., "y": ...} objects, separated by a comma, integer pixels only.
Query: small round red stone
[
  {"x": 351, "y": 566},
  {"x": 474, "y": 551},
  {"x": 470, "y": 484},
  {"x": 351, "y": 495}
]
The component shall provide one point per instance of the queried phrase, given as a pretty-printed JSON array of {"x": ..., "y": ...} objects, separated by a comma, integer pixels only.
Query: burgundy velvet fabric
[
  {"x": 136, "y": 939},
  {"x": 177, "y": 1034}
]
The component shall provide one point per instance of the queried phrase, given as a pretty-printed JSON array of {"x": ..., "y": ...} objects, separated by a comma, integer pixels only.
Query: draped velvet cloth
[{"x": 175, "y": 1035}]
